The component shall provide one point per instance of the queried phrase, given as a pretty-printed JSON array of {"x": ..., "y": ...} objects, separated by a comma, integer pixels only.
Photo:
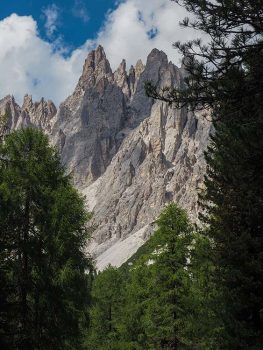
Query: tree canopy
[
  {"x": 44, "y": 269},
  {"x": 164, "y": 299},
  {"x": 224, "y": 79}
]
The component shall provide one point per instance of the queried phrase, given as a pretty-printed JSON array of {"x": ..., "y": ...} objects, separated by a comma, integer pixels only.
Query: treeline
[
  {"x": 225, "y": 81},
  {"x": 44, "y": 271},
  {"x": 173, "y": 294},
  {"x": 165, "y": 298},
  {"x": 51, "y": 298},
  {"x": 169, "y": 295},
  {"x": 187, "y": 288}
]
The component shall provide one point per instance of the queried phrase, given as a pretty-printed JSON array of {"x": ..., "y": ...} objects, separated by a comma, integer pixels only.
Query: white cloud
[
  {"x": 51, "y": 14},
  {"x": 29, "y": 64},
  {"x": 80, "y": 11},
  {"x": 136, "y": 27}
]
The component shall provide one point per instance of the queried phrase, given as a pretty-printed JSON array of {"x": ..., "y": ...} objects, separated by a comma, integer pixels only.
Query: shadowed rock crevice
[{"x": 130, "y": 155}]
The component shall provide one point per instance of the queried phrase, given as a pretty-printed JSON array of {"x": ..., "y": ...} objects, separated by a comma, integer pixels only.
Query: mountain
[
  {"x": 128, "y": 154},
  {"x": 37, "y": 114}
]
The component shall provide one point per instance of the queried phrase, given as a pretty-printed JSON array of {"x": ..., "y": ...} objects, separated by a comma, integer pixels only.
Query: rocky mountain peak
[
  {"x": 10, "y": 111},
  {"x": 155, "y": 70},
  {"x": 96, "y": 58},
  {"x": 134, "y": 75},
  {"x": 28, "y": 98},
  {"x": 129, "y": 154},
  {"x": 95, "y": 68},
  {"x": 7, "y": 99},
  {"x": 8, "y": 105},
  {"x": 139, "y": 68},
  {"x": 39, "y": 114},
  {"x": 157, "y": 56},
  {"x": 122, "y": 66},
  {"x": 121, "y": 78},
  {"x": 36, "y": 114},
  {"x": 28, "y": 102},
  {"x": 121, "y": 70}
]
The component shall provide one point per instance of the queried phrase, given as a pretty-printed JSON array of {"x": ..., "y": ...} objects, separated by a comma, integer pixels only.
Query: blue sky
[
  {"x": 77, "y": 19},
  {"x": 44, "y": 43}
]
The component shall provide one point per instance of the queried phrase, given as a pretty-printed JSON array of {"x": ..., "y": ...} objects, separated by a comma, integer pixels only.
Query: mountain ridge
[{"x": 130, "y": 155}]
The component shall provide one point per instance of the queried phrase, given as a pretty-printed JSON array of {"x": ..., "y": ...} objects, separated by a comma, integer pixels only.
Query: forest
[{"x": 194, "y": 287}]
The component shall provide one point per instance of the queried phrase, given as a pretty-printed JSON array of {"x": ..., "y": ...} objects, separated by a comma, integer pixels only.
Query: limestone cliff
[
  {"x": 38, "y": 114},
  {"x": 160, "y": 160},
  {"x": 130, "y": 155}
]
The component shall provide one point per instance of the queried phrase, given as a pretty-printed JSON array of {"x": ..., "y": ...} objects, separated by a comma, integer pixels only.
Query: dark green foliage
[
  {"x": 43, "y": 235},
  {"x": 166, "y": 309},
  {"x": 161, "y": 300},
  {"x": 4, "y": 124},
  {"x": 180, "y": 313},
  {"x": 234, "y": 34},
  {"x": 225, "y": 77},
  {"x": 106, "y": 311},
  {"x": 234, "y": 186}
]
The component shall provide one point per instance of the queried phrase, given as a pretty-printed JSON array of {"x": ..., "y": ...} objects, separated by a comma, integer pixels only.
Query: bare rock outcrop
[
  {"x": 88, "y": 123},
  {"x": 35, "y": 114},
  {"x": 160, "y": 160},
  {"x": 41, "y": 114},
  {"x": 130, "y": 155},
  {"x": 10, "y": 112}
]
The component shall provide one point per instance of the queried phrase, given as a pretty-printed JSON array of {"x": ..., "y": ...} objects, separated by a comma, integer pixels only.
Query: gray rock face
[
  {"x": 159, "y": 162},
  {"x": 10, "y": 112},
  {"x": 40, "y": 114},
  {"x": 36, "y": 114},
  {"x": 130, "y": 155},
  {"x": 88, "y": 122}
]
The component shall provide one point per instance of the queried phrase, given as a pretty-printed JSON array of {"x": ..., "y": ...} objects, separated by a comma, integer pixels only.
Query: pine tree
[
  {"x": 165, "y": 310},
  {"x": 233, "y": 185},
  {"x": 42, "y": 241},
  {"x": 170, "y": 292},
  {"x": 138, "y": 291},
  {"x": 106, "y": 311},
  {"x": 165, "y": 297},
  {"x": 225, "y": 79}
]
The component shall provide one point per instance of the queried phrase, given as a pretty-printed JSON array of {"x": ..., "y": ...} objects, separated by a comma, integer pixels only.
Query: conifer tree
[
  {"x": 106, "y": 311},
  {"x": 170, "y": 293},
  {"x": 163, "y": 298},
  {"x": 166, "y": 308},
  {"x": 42, "y": 240},
  {"x": 225, "y": 79}
]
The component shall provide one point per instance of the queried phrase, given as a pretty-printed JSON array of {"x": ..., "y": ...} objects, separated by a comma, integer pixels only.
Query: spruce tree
[
  {"x": 166, "y": 307},
  {"x": 225, "y": 80},
  {"x": 106, "y": 311},
  {"x": 170, "y": 291},
  {"x": 42, "y": 241},
  {"x": 163, "y": 298}
]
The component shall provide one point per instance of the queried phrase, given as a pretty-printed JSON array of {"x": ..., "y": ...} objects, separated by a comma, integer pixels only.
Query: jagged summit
[
  {"x": 129, "y": 154},
  {"x": 121, "y": 78},
  {"x": 97, "y": 73},
  {"x": 95, "y": 57},
  {"x": 40, "y": 113},
  {"x": 37, "y": 114},
  {"x": 7, "y": 98},
  {"x": 157, "y": 55},
  {"x": 96, "y": 62}
]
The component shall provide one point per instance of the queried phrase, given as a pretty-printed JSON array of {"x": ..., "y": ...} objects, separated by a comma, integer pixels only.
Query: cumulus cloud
[
  {"x": 28, "y": 64},
  {"x": 80, "y": 11},
  {"x": 51, "y": 14},
  {"x": 136, "y": 27}
]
